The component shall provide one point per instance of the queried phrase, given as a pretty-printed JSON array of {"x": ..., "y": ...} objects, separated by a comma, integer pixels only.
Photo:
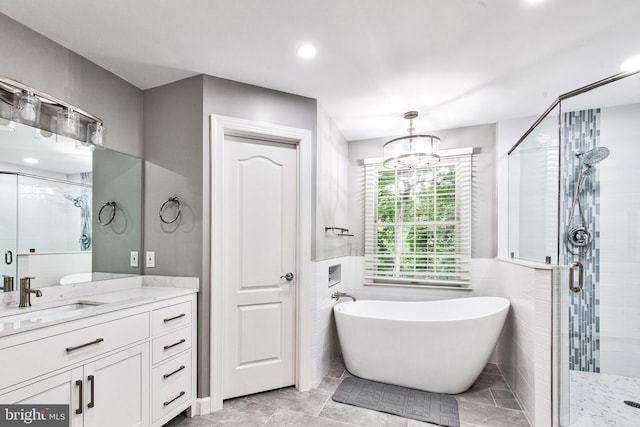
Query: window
[{"x": 418, "y": 222}]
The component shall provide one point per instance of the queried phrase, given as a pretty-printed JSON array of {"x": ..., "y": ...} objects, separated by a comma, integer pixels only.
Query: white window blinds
[{"x": 418, "y": 223}]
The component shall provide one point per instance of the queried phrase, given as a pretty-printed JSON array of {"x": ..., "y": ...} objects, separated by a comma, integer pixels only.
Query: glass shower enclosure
[{"x": 574, "y": 202}]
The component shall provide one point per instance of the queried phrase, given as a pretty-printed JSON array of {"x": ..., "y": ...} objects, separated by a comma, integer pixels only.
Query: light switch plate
[
  {"x": 133, "y": 259},
  {"x": 150, "y": 259}
]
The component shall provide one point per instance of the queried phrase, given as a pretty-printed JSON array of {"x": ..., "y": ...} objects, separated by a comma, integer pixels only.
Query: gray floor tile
[
  {"x": 505, "y": 399},
  {"x": 360, "y": 416},
  {"x": 338, "y": 362},
  {"x": 309, "y": 402},
  {"x": 286, "y": 418},
  {"x": 492, "y": 368},
  {"x": 486, "y": 380},
  {"x": 416, "y": 423},
  {"x": 335, "y": 372},
  {"x": 482, "y": 396},
  {"x": 289, "y": 407},
  {"x": 329, "y": 384},
  {"x": 239, "y": 412},
  {"x": 490, "y": 416}
]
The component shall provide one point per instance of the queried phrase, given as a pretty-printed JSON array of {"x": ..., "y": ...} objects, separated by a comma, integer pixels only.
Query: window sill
[{"x": 417, "y": 286}]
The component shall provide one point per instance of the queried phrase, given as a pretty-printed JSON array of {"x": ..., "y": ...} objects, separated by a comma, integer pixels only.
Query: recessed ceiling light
[
  {"x": 533, "y": 1},
  {"x": 307, "y": 51},
  {"x": 632, "y": 64},
  {"x": 30, "y": 160}
]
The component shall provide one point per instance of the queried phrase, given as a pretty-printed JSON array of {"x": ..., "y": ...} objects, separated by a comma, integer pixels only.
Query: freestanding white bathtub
[{"x": 436, "y": 346}]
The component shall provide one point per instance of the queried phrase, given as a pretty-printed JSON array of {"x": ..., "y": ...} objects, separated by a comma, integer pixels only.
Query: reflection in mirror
[
  {"x": 48, "y": 199},
  {"x": 49, "y": 182}
]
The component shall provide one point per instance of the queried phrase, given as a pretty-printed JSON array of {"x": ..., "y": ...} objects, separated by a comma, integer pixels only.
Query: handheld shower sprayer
[{"x": 579, "y": 236}]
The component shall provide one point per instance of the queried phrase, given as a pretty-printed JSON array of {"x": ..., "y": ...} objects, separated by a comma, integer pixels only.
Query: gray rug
[{"x": 406, "y": 402}]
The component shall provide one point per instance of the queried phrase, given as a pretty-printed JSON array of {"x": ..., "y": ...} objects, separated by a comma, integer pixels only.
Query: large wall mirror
[{"x": 69, "y": 213}]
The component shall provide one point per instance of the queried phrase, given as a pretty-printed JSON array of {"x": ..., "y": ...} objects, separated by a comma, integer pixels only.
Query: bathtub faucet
[{"x": 337, "y": 295}]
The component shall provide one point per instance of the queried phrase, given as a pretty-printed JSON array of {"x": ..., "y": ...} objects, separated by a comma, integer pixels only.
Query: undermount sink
[{"x": 41, "y": 315}]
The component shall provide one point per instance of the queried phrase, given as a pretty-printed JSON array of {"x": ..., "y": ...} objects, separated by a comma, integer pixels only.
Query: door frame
[{"x": 220, "y": 127}]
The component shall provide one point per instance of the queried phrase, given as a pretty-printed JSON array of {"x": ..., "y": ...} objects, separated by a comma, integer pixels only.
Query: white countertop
[{"x": 97, "y": 298}]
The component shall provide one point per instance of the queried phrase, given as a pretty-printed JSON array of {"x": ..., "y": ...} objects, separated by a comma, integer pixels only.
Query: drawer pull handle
[
  {"x": 92, "y": 381},
  {"x": 169, "y": 319},
  {"x": 169, "y": 402},
  {"x": 80, "y": 404},
  {"x": 78, "y": 347},
  {"x": 167, "y": 347},
  {"x": 174, "y": 372}
]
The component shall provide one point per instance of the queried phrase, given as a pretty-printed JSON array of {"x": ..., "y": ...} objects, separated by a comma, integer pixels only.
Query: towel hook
[
  {"x": 171, "y": 200},
  {"x": 113, "y": 213}
]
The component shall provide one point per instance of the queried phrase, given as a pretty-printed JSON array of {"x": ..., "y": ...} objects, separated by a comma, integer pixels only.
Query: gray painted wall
[
  {"x": 177, "y": 151},
  {"x": 117, "y": 177},
  {"x": 44, "y": 65},
  {"x": 483, "y": 219}
]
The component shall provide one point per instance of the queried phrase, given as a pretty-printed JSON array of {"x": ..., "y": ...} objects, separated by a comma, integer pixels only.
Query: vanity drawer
[
  {"x": 57, "y": 351},
  {"x": 171, "y": 344},
  {"x": 170, "y": 380},
  {"x": 169, "y": 318}
]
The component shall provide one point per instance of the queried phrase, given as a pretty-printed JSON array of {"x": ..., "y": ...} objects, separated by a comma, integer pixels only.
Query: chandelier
[{"x": 411, "y": 151}]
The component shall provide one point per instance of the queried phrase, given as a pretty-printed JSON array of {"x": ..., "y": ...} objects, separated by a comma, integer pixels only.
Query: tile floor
[
  {"x": 598, "y": 400},
  {"x": 488, "y": 403}
]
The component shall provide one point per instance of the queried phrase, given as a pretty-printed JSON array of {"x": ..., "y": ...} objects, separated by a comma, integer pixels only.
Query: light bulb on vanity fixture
[
  {"x": 95, "y": 134},
  {"x": 26, "y": 108},
  {"x": 95, "y": 137},
  {"x": 68, "y": 123}
]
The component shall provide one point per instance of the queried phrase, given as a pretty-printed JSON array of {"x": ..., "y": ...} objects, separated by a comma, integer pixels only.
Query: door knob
[{"x": 288, "y": 276}]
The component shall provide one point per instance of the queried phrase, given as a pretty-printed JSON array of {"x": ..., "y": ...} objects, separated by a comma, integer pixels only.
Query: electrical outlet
[
  {"x": 133, "y": 259},
  {"x": 151, "y": 259}
]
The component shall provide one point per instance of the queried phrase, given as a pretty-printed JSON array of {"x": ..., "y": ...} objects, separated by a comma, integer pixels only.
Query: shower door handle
[
  {"x": 572, "y": 269},
  {"x": 8, "y": 257}
]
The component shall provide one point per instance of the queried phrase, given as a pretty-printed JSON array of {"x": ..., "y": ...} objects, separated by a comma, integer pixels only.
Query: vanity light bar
[{"x": 17, "y": 85}]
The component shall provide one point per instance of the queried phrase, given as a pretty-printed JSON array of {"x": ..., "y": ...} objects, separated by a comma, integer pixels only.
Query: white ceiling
[{"x": 459, "y": 62}]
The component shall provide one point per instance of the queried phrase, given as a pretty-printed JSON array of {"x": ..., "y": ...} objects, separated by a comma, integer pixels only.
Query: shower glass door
[
  {"x": 8, "y": 228},
  {"x": 600, "y": 234}
]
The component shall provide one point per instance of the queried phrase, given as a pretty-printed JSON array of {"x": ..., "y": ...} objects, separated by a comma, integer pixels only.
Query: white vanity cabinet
[{"x": 129, "y": 367}]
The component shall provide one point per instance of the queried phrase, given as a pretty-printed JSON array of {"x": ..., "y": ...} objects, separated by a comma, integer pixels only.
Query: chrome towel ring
[
  {"x": 170, "y": 201},
  {"x": 113, "y": 213}
]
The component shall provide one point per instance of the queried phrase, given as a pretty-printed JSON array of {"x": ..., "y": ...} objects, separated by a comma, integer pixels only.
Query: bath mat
[{"x": 406, "y": 402}]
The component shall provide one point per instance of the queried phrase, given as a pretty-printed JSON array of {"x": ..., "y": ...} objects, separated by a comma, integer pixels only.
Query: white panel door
[{"x": 259, "y": 245}]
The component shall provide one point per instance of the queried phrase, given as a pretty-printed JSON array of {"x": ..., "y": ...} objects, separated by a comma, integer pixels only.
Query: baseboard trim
[{"x": 202, "y": 406}]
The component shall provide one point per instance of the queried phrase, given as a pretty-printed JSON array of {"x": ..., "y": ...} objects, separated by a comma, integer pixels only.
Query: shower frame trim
[{"x": 571, "y": 94}]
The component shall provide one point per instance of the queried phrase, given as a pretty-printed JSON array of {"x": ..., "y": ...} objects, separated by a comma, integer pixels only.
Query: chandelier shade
[{"x": 411, "y": 151}]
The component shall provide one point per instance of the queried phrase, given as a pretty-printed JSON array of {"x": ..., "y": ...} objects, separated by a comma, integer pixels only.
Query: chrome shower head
[{"x": 594, "y": 156}]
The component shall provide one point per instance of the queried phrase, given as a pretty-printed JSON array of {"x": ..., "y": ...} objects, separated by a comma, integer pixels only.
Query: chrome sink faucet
[
  {"x": 26, "y": 291},
  {"x": 337, "y": 295}
]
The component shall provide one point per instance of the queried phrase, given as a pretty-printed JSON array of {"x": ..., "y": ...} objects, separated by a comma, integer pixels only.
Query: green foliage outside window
[{"x": 416, "y": 223}]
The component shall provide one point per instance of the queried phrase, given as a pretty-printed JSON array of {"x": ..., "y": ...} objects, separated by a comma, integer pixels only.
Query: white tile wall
[
  {"x": 525, "y": 351},
  {"x": 325, "y": 339},
  {"x": 620, "y": 243}
]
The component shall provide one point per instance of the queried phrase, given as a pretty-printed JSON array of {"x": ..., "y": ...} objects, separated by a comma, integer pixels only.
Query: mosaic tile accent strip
[{"x": 581, "y": 133}]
